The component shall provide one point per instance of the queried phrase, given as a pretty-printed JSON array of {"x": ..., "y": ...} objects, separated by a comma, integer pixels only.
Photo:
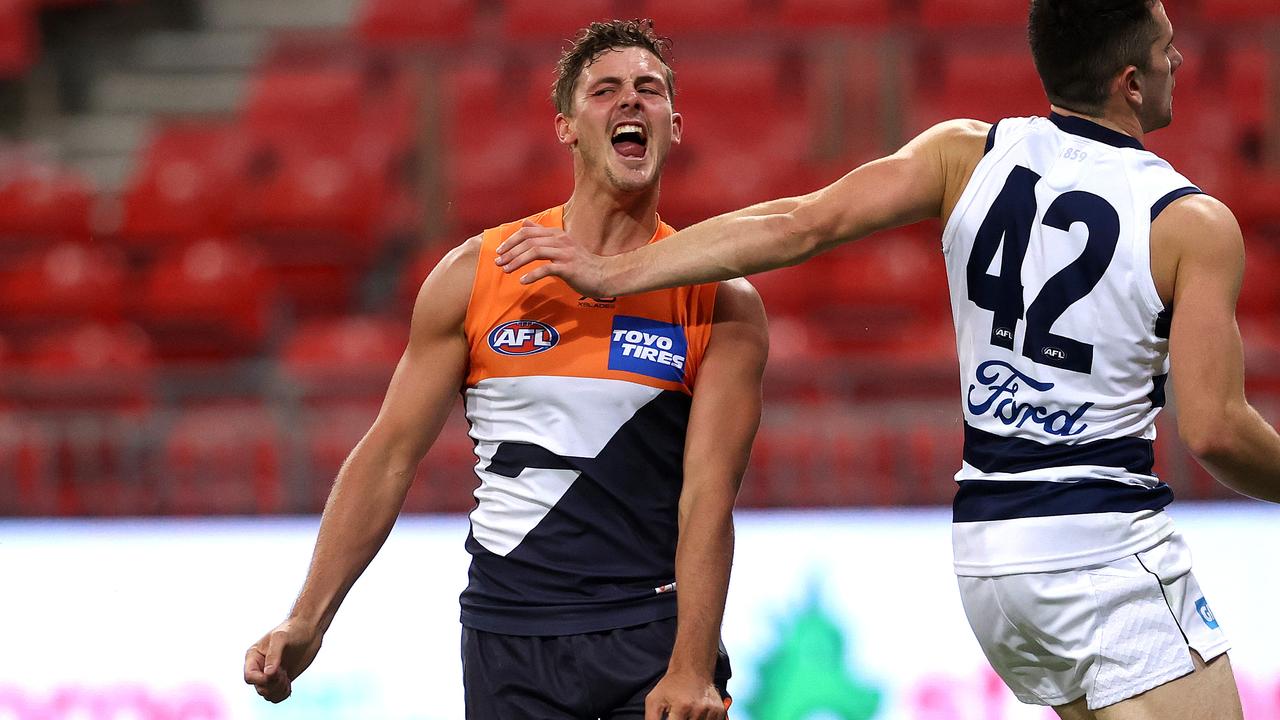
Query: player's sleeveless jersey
[
  {"x": 578, "y": 409},
  {"x": 1063, "y": 347}
]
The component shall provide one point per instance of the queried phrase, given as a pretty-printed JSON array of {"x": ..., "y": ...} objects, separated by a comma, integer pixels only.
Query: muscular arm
[
  {"x": 722, "y": 425},
  {"x": 919, "y": 181},
  {"x": 1196, "y": 243},
  {"x": 371, "y": 486}
]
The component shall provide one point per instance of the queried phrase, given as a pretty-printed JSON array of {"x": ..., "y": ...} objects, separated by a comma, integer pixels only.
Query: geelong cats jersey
[{"x": 1063, "y": 346}]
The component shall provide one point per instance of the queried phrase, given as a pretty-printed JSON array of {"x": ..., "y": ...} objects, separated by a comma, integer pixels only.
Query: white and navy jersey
[
  {"x": 578, "y": 408},
  {"x": 1063, "y": 346}
]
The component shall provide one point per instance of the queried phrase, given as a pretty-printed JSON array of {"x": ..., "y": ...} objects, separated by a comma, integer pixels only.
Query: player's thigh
[
  {"x": 638, "y": 657},
  {"x": 1209, "y": 693},
  {"x": 521, "y": 678}
]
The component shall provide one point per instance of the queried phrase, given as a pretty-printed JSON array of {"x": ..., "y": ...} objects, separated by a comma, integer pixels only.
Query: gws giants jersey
[
  {"x": 578, "y": 409},
  {"x": 1063, "y": 347}
]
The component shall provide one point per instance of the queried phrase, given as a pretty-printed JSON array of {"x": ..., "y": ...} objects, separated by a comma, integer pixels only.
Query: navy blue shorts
[{"x": 604, "y": 674}]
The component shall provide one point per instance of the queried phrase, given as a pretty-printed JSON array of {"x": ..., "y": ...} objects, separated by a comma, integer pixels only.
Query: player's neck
[
  {"x": 611, "y": 223},
  {"x": 1121, "y": 122}
]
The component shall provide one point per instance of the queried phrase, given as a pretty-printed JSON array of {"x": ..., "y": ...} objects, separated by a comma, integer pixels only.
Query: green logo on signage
[{"x": 805, "y": 676}]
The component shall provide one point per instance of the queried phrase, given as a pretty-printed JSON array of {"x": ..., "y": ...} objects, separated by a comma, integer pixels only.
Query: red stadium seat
[
  {"x": 317, "y": 218},
  {"x": 560, "y": 20},
  {"x": 1238, "y": 11},
  {"x": 391, "y": 22},
  {"x": 1260, "y": 293},
  {"x": 65, "y": 284},
  {"x": 680, "y": 17},
  {"x": 42, "y": 200},
  {"x": 948, "y": 14},
  {"x": 333, "y": 136},
  {"x": 224, "y": 459},
  {"x": 19, "y": 38},
  {"x": 984, "y": 84},
  {"x": 91, "y": 366},
  {"x": 810, "y": 14},
  {"x": 338, "y": 360},
  {"x": 212, "y": 299},
  {"x": 320, "y": 102},
  {"x": 491, "y": 148},
  {"x": 185, "y": 185},
  {"x": 302, "y": 189},
  {"x": 420, "y": 265},
  {"x": 1251, "y": 83}
]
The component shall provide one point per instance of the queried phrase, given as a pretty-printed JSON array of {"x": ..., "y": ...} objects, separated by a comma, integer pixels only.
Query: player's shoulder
[
  {"x": 462, "y": 257},
  {"x": 1198, "y": 222},
  {"x": 452, "y": 277},
  {"x": 961, "y": 136},
  {"x": 738, "y": 299},
  {"x": 960, "y": 129}
]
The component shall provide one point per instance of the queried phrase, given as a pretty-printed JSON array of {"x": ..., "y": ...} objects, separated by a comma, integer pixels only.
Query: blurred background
[{"x": 214, "y": 216}]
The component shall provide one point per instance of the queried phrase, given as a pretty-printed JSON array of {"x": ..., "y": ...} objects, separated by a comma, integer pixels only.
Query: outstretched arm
[
  {"x": 1219, "y": 426},
  {"x": 722, "y": 425},
  {"x": 370, "y": 488},
  {"x": 913, "y": 184}
]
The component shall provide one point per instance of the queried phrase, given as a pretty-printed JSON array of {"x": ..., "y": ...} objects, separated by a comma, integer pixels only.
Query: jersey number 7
[{"x": 1008, "y": 224}]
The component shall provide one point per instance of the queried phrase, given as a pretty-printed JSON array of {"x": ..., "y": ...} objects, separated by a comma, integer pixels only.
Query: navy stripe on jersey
[
  {"x": 1093, "y": 131},
  {"x": 993, "y": 453},
  {"x": 598, "y": 557},
  {"x": 1164, "y": 202},
  {"x": 1164, "y": 322},
  {"x": 985, "y": 500},
  {"x": 512, "y": 458},
  {"x": 991, "y": 137},
  {"x": 1157, "y": 397}
]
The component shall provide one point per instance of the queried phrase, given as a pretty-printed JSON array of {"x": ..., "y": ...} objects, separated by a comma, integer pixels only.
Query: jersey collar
[{"x": 1093, "y": 131}]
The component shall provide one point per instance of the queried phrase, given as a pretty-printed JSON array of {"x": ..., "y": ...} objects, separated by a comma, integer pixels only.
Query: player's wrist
[
  {"x": 611, "y": 272},
  {"x": 701, "y": 670}
]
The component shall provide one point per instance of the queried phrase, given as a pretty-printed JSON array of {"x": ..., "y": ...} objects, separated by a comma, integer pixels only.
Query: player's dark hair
[
  {"x": 1079, "y": 46},
  {"x": 598, "y": 38}
]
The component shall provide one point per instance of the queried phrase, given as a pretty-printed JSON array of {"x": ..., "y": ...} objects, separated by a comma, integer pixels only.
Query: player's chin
[{"x": 634, "y": 180}]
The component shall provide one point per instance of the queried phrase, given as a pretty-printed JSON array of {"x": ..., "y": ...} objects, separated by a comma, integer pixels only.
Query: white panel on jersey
[
  {"x": 1062, "y": 473},
  {"x": 1049, "y": 544},
  {"x": 569, "y": 416}
]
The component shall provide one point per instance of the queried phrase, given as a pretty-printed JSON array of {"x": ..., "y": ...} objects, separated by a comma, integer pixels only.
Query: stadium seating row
[{"x": 326, "y": 152}]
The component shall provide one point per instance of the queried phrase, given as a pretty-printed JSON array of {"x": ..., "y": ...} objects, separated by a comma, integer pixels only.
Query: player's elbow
[
  {"x": 807, "y": 230},
  {"x": 1209, "y": 436}
]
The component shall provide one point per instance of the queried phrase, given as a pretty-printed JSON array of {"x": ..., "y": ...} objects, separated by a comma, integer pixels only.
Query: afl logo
[{"x": 523, "y": 337}]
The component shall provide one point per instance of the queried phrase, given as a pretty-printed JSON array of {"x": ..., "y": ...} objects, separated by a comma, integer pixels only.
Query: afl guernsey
[
  {"x": 578, "y": 409},
  {"x": 1063, "y": 346}
]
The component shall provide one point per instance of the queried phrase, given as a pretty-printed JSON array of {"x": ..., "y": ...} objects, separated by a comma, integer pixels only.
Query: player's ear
[
  {"x": 1130, "y": 85},
  {"x": 677, "y": 127},
  {"x": 566, "y": 133}
]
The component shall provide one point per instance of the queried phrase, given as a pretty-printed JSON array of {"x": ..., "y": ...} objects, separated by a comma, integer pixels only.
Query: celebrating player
[{"x": 611, "y": 437}]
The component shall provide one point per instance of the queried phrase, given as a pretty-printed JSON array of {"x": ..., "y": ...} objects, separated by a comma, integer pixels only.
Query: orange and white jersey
[{"x": 578, "y": 408}]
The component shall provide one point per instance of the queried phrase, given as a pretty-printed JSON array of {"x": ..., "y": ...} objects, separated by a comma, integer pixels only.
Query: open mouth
[{"x": 629, "y": 140}]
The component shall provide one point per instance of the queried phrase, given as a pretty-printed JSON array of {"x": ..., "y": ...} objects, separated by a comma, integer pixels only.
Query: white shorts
[{"x": 1106, "y": 632}]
